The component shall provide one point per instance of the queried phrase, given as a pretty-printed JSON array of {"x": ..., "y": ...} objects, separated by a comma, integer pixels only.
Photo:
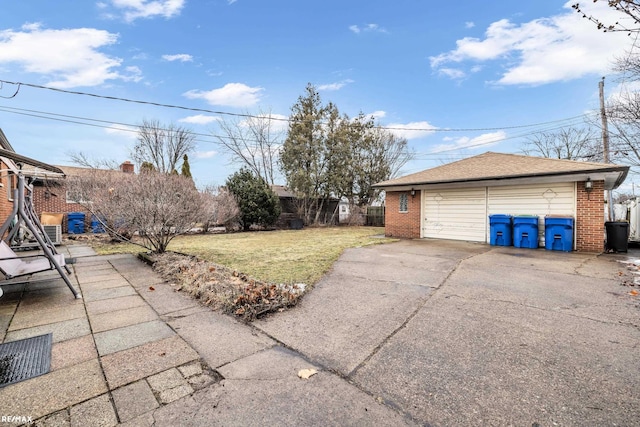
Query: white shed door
[
  {"x": 458, "y": 214},
  {"x": 534, "y": 199}
]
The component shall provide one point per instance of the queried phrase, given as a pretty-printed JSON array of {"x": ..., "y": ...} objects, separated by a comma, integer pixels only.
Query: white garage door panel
[
  {"x": 455, "y": 214},
  {"x": 535, "y": 199}
]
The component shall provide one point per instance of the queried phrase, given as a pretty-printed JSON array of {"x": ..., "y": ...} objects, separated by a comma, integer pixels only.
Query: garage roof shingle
[{"x": 492, "y": 165}]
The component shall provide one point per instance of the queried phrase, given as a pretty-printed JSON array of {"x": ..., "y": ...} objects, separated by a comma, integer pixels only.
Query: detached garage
[{"x": 454, "y": 201}]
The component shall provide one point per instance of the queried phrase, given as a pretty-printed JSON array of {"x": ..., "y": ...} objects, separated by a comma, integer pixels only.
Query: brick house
[
  {"x": 50, "y": 195},
  {"x": 454, "y": 201},
  {"x": 12, "y": 162}
]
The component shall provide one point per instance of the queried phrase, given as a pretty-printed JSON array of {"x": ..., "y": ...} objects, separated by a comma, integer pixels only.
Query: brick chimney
[{"x": 127, "y": 167}]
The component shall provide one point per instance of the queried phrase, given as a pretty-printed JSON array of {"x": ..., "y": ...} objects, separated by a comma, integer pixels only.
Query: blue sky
[{"x": 487, "y": 69}]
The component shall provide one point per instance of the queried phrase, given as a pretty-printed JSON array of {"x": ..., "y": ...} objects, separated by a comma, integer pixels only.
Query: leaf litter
[{"x": 225, "y": 289}]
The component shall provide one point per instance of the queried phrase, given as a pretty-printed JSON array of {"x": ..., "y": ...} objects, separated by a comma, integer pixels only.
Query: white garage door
[
  {"x": 455, "y": 214},
  {"x": 535, "y": 199},
  {"x": 462, "y": 214}
]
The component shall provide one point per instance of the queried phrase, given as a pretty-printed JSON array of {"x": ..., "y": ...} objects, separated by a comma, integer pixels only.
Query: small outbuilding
[{"x": 454, "y": 201}]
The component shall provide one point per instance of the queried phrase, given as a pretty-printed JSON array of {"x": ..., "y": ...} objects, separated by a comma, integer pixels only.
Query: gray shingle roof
[{"x": 491, "y": 165}]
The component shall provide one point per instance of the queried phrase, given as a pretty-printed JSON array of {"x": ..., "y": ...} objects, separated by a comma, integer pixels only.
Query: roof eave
[
  {"x": 613, "y": 176},
  {"x": 622, "y": 174}
]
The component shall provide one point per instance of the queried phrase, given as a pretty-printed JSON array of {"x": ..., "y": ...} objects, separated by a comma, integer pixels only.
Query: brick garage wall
[
  {"x": 402, "y": 224},
  {"x": 589, "y": 226},
  {"x": 53, "y": 199}
]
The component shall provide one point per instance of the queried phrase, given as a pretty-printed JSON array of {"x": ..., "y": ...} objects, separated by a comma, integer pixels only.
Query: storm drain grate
[{"x": 24, "y": 359}]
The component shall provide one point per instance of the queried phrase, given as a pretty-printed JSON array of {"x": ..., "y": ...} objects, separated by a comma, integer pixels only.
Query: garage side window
[{"x": 404, "y": 202}]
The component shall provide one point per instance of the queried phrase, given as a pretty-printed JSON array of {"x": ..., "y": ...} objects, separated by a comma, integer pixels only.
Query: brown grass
[{"x": 283, "y": 256}]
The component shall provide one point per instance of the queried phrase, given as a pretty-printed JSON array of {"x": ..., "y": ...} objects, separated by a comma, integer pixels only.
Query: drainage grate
[{"x": 24, "y": 359}]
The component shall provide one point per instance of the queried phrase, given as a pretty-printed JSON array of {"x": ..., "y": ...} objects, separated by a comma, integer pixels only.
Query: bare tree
[
  {"x": 631, "y": 8},
  {"x": 624, "y": 127},
  {"x": 566, "y": 143},
  {"x": 253, "y": 141},
  {"x": 83, "y": 160},
  {"x": 156, "y": 206},
  {"x": 219, "y": 207},
  {"x": 162, "y": 146}
]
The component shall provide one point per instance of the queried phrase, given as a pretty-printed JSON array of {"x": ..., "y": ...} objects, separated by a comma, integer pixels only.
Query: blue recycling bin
[
  {"x": 500, "y": 230},
  {"x": 558, "y": 233},
  {"x": 525, "y": 231},
  {"x": 76, "y": 222},
  {"x": 96, "y": 225}
]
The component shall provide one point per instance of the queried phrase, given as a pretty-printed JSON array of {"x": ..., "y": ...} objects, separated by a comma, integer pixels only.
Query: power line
[
  {"x": 287, "y": 119},
  {"x": 127, "y": 127}
]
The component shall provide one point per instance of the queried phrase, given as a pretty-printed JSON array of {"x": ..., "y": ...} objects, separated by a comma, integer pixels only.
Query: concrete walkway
[{"x": 410, "y": 333}]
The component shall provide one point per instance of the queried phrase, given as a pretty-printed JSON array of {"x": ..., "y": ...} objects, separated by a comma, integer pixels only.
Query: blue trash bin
[
  {"x": 525, "y": 231},
  {"x": 96, "y": 225},
  {"x": 76, "y": 222},
  {"x": 500, "y": 227},
  {"x": 558, "y": 234}
]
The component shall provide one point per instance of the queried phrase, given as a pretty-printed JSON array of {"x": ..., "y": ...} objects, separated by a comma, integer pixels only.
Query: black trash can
[{"x": 617, "y": 236}]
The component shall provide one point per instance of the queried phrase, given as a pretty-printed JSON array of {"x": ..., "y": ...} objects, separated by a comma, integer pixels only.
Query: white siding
[
  {"x": 458, "y": 214},
  {"x": 533, "y": 199}
]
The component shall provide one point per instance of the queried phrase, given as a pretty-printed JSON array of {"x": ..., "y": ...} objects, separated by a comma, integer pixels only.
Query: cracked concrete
[{"x": 410, "y": 333}]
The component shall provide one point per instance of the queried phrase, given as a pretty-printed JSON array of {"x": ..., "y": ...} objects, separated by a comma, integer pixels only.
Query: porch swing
[{"x": 23, "y": 216}]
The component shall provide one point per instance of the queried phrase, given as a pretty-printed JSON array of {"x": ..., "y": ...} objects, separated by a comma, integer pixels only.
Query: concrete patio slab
[
  {"x": 131, "y": 365},
  {"x": 134, "y": 400},
  {"x": 219, "y": 339},
  {"x": 72, "y": 352},
  {"x": 274, "y": 363},
  {"x": 165, "y": 299},
  {"x": 49, "y": 393},
  {"x": 95, "y": 412},
  {"x": 286, "y": 401},
  {"x": 345, "y": 318},
  {"x": 61, "y": 331},
  {"x": 117, "y": 319},
  {"x": 100, "y": 294},
  {"x": 116, "y": 282},
  {"x": 30, "y": 316},
  {"x": 113, "y": 304},
  {"x": 131, "y": 336}
]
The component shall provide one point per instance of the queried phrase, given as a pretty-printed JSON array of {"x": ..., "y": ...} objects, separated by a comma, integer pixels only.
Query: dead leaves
[
  {"x": 228, "y": 290},
  {"x": 305, "y": 374}
]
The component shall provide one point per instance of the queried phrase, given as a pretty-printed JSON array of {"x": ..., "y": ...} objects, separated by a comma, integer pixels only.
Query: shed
[{"x": 454, "y": 201}]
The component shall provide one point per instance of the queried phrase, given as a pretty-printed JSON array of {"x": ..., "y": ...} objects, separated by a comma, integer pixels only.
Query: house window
[
  {"x": 12, "y": 183},
  {"x": 404, "y": 202},
  {"x": 75, "y": 197}
]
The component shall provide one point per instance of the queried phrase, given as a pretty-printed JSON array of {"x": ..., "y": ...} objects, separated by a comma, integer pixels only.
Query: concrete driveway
[{"x": 454, "y": 333}]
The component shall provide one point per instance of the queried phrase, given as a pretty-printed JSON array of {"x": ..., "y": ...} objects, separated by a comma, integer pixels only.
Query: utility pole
[{"x": 605, "y": 144}]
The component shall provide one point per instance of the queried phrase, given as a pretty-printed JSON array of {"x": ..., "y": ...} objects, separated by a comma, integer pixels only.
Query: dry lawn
[{"x": 283, "y": 256}]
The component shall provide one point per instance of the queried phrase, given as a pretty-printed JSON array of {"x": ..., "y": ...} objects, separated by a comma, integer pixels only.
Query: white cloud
[
  {"x": 69, "y": 57},
  {"x": 412, "y": 130},
  {"x": 379, "y": 114},
  {"x": 278, "y": 123},
  {"x": 478, "y": 142},
  {"x": 200, "y": 119},
  {"x": 206, "y": 154},
  {"x": 182, "y": 57},
  {"x": 335, "y": 86},
  {"x": 368, "y": 28},
  {"x": 469, "y": 24},
  {"x": 230, "y": 95},
  {"x": 122, "y": 130},
  {"x": 231, "y": 1},
  {"x": 559, "y": 48},
  {"x": 134, "y": 9},
  {"x": 452, "y": 73}
]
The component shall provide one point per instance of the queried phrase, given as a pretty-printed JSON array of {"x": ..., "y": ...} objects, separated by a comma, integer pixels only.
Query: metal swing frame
[{"x": 26, "y": 216}]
